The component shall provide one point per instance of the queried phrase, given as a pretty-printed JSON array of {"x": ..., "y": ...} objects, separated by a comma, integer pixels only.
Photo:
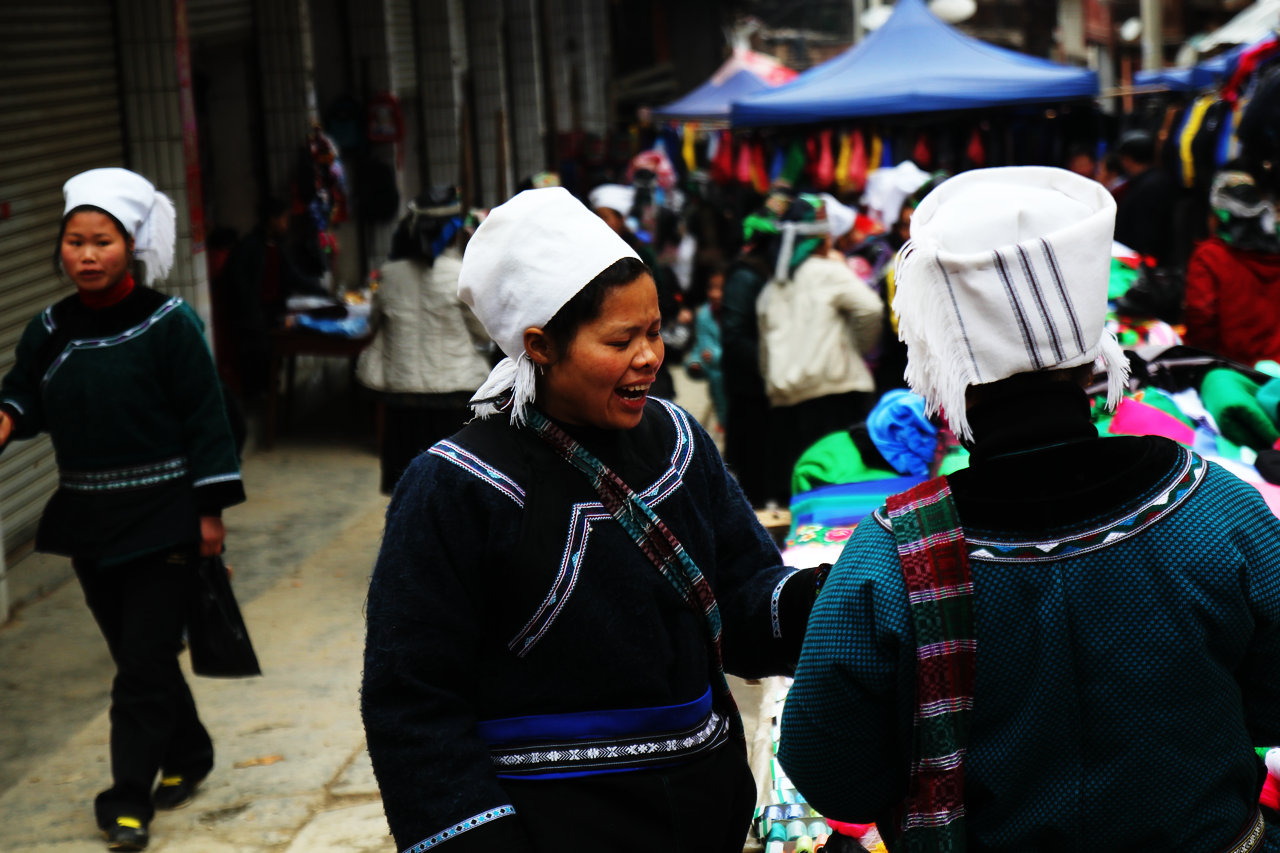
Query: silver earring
[{"x": 541, "y": 369}]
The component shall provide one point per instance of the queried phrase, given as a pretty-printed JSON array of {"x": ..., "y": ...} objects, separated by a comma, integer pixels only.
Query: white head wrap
[
  {"x": 839, "y": 216},
  {"x": 1006, "y": 272},
  {"x": 528, "y": 258},
  {"x": 146, "y": 213},
  {"x": 613, "y": 196}
]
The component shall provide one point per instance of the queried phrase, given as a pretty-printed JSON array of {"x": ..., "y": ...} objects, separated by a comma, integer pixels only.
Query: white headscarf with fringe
[
  {"x": 528, "y": 258},
  {"x": 1006, "y": 272},
  {"x": 145, "y": 212}
]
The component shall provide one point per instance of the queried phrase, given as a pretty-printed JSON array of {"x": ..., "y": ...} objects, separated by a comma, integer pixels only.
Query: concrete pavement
[{"x": 292, "y": 773}]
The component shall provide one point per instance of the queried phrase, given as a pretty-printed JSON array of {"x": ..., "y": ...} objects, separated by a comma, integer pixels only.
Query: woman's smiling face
[{"x": 602, "y": 378}]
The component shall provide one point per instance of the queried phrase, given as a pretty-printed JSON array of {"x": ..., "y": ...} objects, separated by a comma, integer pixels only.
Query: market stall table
[{"x": 289, "y": 343}]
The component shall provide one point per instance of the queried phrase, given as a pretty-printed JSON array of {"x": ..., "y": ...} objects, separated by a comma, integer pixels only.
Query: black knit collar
[
  {"x": 1038, "y": 464},
  {"x": 1022, "y": 415}
]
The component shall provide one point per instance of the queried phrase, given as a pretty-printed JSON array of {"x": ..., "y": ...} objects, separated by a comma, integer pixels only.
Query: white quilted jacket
[{"x": 426, "y": 341}]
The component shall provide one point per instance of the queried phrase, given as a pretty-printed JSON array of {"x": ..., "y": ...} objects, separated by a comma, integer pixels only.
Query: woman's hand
[{"x": 211, "y": 535}]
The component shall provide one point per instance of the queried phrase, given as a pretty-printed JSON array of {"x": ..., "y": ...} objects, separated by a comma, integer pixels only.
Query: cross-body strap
[
  {"x": 935, "y": 567},
  {"x": 658, "y": 544}
]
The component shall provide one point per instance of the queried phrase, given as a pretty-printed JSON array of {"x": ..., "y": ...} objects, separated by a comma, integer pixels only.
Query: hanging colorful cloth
[
  {"x": 778, "y": 163},
  {"x": 935, "y": 568},
  {"x": 886, "y": 155},
  {"x": 1190, "y": 127},
  {"x": 688, "y": 152},
  {"x": 825, "y": 172},
  {"x": 975, "y": 150},
  {"x": 759, "y": 171},
  {"x": 658, "y": 544},
  {"x": 842, "y": 163},
  {"x": 873, "y": 159},
  {"x": 857, "y": 178},
  {"x": 742, "y": 173},
  {"x": 795, "y": 164},
  {"x": 722, "y": 165},
  {"x": 923, "y": 152}
]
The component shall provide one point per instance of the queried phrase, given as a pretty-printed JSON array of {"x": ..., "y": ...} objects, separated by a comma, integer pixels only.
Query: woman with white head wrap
[
  {"x": 574, "y": 568},
  {"x": 1077, "y": 605},
  {"x": 121, "y": 378}
]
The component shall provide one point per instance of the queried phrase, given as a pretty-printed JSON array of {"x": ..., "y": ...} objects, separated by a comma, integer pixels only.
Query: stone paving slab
[{"x": 283, "y": 741}]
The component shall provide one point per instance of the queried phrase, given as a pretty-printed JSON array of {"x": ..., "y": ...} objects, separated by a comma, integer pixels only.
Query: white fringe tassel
[
  {"x": 516, "y": 375},
  {"x": 939, "y": 367},
  {"x": 156, "y": 237},
  {"x": 1116, "y": 364}
]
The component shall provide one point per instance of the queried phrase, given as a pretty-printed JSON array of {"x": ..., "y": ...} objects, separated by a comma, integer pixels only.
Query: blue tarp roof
[
  {"x": 710, "y": 102},
  {"x": 1204, "y": 75},
  {"x": 914, "y": 63}
]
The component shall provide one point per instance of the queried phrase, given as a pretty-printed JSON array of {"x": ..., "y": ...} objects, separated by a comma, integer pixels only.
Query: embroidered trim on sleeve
[
  {"x": 773, "y": 603},
  {"x": 217, "y": 478},
  {"x": 460, "y": 827}
]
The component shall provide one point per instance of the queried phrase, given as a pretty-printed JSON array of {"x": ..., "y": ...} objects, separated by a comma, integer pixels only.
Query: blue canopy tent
[
  {"x": 914, "y": 63},
  {"x": 1203, "y": 75},
  {"x": 745, "y": 73}
]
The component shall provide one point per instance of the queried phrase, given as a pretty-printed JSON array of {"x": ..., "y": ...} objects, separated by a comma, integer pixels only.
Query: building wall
[
  {"x": 524, "y": 61},
  {"x": 442, "y": 60},
  {"x": 150, "y": 88},
  {"x": 371, "y": 56},
  {"x": 486, "y": 48},
  {"x": 288, "y": 93}
]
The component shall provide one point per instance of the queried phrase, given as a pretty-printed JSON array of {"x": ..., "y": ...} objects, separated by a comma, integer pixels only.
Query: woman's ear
[{"x": 539, "y": 346}]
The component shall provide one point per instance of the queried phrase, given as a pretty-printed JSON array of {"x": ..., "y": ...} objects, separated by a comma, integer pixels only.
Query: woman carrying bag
[
  {"x": 121, "y": 378},
  {"x": 563, "y": 584}
]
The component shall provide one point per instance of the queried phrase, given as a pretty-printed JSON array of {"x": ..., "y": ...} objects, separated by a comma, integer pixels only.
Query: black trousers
[
  {"x": 140, "y": 607},
  {"x": 747, "y": 451},
  {"x": 793, "y": 429}
]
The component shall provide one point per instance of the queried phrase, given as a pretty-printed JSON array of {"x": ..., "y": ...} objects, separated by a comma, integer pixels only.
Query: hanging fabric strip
[{"x": 935, "y": 568}]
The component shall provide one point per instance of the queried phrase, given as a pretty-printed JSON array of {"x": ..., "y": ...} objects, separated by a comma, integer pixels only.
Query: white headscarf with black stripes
[{"x": 1006, "y": 272}]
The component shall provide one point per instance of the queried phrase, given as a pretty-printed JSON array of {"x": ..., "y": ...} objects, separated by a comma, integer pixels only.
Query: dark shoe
[
  {"x": 174, "y": 792},
  {"x": 127, "y": 833}
]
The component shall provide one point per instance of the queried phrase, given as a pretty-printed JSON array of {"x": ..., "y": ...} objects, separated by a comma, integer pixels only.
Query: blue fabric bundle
[{"x": 902, "y": 433}]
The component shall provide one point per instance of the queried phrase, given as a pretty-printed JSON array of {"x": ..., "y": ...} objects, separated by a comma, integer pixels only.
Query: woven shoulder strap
[
  {"x": 935, "y": 567},
  {"x": 658, "y": 544}
]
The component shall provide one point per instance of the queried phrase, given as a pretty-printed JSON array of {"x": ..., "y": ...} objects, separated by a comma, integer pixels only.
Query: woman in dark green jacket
[{"x": 121, "y": 378}]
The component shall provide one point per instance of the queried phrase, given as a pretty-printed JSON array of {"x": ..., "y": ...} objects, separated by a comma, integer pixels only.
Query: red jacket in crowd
[{"x": 1233, "y": 302}]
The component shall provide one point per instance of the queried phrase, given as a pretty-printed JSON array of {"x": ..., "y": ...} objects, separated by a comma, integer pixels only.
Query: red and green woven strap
[{"x": 935, "y": 567}]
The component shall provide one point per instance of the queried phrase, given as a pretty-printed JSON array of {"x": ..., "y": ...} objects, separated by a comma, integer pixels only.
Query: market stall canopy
[
  {"x": 914, "y": 63},
  {"x": 1203, "y": 75},
  {"x": 1251, "y": 25},
  {"x": 743, "y": 74}
]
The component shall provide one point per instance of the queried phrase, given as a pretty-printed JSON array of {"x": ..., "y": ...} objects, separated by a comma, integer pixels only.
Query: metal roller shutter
[
  {"x": 209, "y": 20},
  {"x": 59, "y": 115}
]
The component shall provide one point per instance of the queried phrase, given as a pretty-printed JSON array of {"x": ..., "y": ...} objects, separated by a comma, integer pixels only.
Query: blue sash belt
[{"x": 557, "y": 746}]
